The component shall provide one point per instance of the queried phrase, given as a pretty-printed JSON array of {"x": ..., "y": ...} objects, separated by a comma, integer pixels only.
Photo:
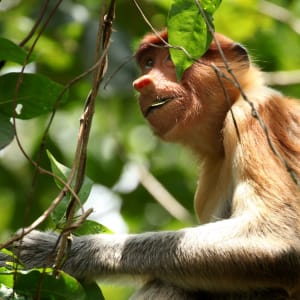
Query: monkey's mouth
[{"x": 158, "y": 103}]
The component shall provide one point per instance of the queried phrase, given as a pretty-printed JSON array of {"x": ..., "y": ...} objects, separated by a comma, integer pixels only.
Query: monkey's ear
[
  {"x": 241, "y": 53},
  {"x": 234, "y": 52}
]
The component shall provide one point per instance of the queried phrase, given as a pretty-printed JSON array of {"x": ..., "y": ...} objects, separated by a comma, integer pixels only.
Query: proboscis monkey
[{"x": 248, "y": 246}]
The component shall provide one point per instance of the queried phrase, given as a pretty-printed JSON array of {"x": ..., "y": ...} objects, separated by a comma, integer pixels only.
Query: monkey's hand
[
  {"x": 4, "y": 258},
  {"x": 87, "y": 257},
  {"x": 36, "y": 249}
]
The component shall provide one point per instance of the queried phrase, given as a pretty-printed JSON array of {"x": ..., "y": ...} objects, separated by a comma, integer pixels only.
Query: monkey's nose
[{"x": 142, "y": 82}]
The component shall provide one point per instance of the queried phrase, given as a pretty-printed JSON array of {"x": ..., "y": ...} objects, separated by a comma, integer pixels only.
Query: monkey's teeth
[
  {"x": 156, "y": 104},
  {"x": 161, "y": 101}
]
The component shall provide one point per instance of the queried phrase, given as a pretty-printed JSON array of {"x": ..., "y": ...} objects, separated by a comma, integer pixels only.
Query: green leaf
[
  {"x": 91, "y": 227},
  {"x": 59, "y": 170},
  {"x": 37, "y": 95},
  {"x": 6, "y": 277},
  {"x": 11, "y": 52},
  {"x": 187, "y": 29},
  {"x": 7, "y": 132},
  {"x": 92, "y": 291},
  {"x": 210, "y": 6},
  {"x": 64, "y": 172},
  {"x": 31, "y": 283},
  {"x": 41, "y": 282}
]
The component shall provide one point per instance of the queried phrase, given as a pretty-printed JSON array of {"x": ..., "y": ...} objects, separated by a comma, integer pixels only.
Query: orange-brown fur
[
  {"x": 215, "y": 124},
  {"x": 248, "y": 247},
  {"x": 238, "y": 166}
]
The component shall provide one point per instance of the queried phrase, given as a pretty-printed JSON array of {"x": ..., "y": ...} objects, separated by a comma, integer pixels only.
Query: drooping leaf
[
  {"x": 37, "y": 95},
  {"x": 7, "y": 132},
  {"x": 91, "y": 227},
  {"x": 64, "y": 172},
  {"x": 92, "y": 291},
  {"x": 187, "y": 29},
  {"x": 11, "y": 52},
  {"x": 41, "y": 282}
]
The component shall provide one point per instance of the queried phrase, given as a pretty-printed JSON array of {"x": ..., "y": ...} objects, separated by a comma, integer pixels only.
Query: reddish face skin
[
  {"x": 185, "y": 111},
  {"x": 160, "y": 94}
]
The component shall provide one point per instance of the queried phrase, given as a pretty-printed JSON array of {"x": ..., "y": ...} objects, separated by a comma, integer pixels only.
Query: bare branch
[
  {"x": 282, "y": 77},
  {"x": 279, "y": 13},
  {"x": 36, "y": 24},
  {"x": 102, "y": 45},
  {"x": 163, "y": 197}
]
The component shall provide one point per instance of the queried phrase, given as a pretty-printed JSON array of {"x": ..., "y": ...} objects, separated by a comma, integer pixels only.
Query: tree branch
[
  {"x": 282, "y": 77},
  {"x": 280, "y": 14}
]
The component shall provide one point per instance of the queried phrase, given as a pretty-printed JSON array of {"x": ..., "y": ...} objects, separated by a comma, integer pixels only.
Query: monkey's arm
[{"x": 211, "y": 256}]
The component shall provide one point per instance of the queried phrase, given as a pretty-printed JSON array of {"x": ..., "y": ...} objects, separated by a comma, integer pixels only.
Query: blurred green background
[{"x": 120, "y": 137}]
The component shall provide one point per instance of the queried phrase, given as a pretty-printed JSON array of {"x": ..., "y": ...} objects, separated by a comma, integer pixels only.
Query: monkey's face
[
  {"x": 193, "y": 110},
  {"x": 164, "y": 102}
]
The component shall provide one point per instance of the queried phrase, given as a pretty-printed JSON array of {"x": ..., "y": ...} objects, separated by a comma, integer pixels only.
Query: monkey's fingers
[
  {"x": 36, "y": 249},
  {"x": 5, "y": 259}
]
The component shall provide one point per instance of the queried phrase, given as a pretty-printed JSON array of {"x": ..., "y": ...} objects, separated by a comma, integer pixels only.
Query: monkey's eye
[{"x": 149, "y": 63}]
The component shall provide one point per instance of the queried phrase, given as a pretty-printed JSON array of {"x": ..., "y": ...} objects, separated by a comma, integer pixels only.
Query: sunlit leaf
[
  {"x": 188, "y": 29},
  {"x": 6, "y": 277},
  {"x": 92, "y": 291},
  {"x": 64, "y": 172},
  {"x": 210, "y": 6},
  {"x": 91, "y": 227}
]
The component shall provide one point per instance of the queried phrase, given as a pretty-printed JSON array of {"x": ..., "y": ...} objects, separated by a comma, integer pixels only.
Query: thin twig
[
  {"x": 17, "y": 88},
  {"x": 102, "y": 45},
  {"x": 20, "y": 79},
  {"x": 40, "y": 219},
  {"x": 219, "y": 75},
  {"x": 149, "y": 23},
  {"x": 165, "y": 43},
  {"x": 39, "y": 169},
  {"x": 67, "y": 185},
  {"x": 123, "y": 64},
  {"x": 36, "y": 24}
]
